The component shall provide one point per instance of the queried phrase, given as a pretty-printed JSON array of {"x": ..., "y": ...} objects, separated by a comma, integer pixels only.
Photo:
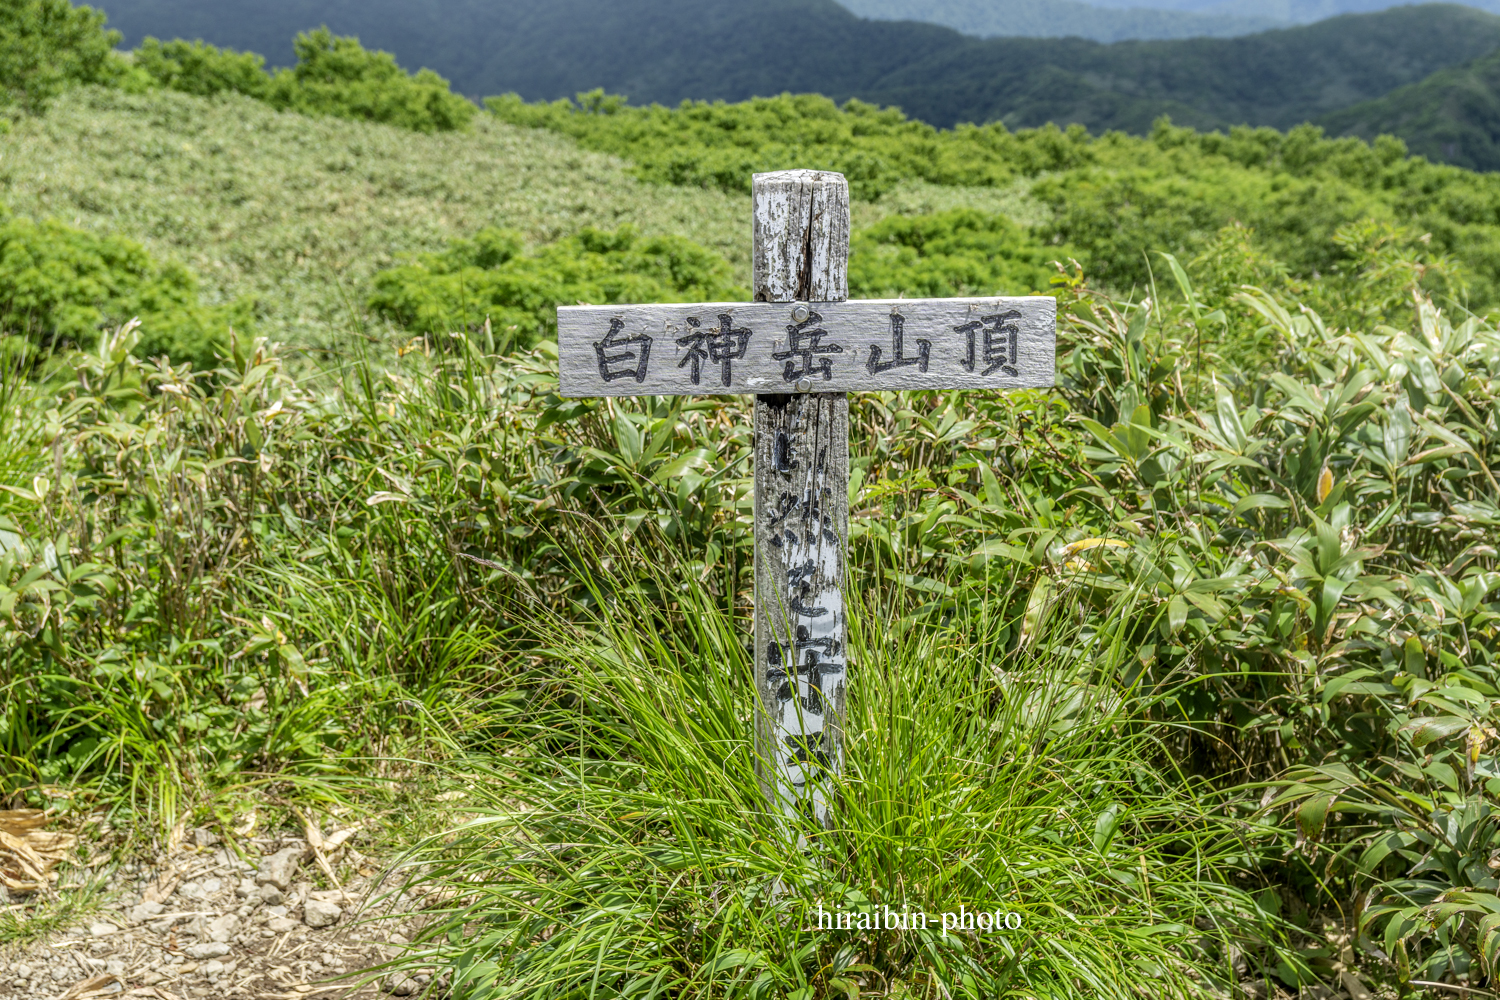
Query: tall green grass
[{"x": 625, "y": 848}]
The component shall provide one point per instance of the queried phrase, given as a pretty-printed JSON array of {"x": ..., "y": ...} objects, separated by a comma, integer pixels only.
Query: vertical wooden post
[{"x": 801, "y": 257}]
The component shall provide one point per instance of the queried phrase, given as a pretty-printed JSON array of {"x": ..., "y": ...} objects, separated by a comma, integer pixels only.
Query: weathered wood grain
[
  {"x": 819, "y": 346},
  {"x": 800, "y": 248},
  {"x": 801, "y": 536},
  {"x": 801, "y": 251}
]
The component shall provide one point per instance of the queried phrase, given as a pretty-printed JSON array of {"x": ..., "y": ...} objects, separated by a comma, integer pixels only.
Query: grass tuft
[{"x": 625, "y": 850}]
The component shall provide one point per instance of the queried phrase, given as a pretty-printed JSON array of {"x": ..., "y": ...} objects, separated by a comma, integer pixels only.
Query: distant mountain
[
  {"x": 671, "y": 50},
  {"x": 1278, "y": 78},
  {"x": 1287, "y": 12},
  {"x": 1061, "y": 19},
  {"x": 1452, "y": 116}
]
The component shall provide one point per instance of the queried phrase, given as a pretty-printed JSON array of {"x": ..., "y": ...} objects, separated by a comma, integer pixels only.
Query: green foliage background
[
  {"x": 47, "y": 46},
  {"x": 488, "y": 280},
  {"x": 59, "y": 286},
  {"x": 333, "y": 76}
]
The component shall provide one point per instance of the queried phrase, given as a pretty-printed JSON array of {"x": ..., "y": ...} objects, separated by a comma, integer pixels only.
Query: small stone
[
  {"x": 320, "y": 914},
  {"x": 59, "y": 973},
  {"x": 207, "y": 949},
  {"x": 280, "y": 868},
  {"x": 276, "y": 910},
  {"x": 221, "y": 929},
  {"x": 280, "y": 925},
  {"x": 115, "y": 967},
  {"x": 152, "y": 978},
  {"x": 204, "y": 837},
  {"x": 400, "y": 985},
  {"x": 142, "y": 912},
  {"x": 24, "y": 971},
  {"x": 211, "y": 886},
  {"x": 190, "y": 890},
  {"x": 245, "y": 889},
  {"x": 213, "y": 968},
  {"x": 102, "y": 929},
  {"x": 270, "y": 895},
  {"x": 187, "y": 967}
]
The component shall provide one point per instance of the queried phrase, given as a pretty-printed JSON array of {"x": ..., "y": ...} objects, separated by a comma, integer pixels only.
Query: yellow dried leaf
[
  {"x": 27, "y": 852},
  {"x": 95, "y": 988},
  {"x": 1084, "y": 544},
  {"x": 18, "y": 821},
  {"x": 1325, "y": 484}
]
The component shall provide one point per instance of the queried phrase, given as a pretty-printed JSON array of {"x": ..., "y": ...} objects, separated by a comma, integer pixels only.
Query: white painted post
[{"x": 801, "y": 256}]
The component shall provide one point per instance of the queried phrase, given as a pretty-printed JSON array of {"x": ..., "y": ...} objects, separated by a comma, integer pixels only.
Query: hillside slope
[
  {"x": 1452, "y": 116},
  {"x": 671, "y": 50},
  {"x": 296, "y": 213}
]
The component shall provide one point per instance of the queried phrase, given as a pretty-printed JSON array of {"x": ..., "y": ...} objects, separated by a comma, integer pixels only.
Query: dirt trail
[{"x": 203, "y": 922}]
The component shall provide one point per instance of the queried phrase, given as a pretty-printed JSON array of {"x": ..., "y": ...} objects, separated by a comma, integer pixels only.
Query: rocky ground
[{"x": 206, "y": 922}]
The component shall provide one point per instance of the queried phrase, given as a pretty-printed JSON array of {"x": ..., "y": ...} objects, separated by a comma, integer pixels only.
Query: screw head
[
  {"x": 800, "y": 313},
  {"x": 804, "y": 385}
]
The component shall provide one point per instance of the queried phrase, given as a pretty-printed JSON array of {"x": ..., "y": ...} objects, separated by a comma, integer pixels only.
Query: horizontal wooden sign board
[{"x": 764, "y": 347}]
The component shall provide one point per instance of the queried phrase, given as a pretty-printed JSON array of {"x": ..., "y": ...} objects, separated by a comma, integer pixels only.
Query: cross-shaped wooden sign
[{"x": 801, "y": 346}]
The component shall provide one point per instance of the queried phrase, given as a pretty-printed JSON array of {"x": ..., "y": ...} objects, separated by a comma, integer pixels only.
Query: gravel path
[{"x": 204, "y": 922}]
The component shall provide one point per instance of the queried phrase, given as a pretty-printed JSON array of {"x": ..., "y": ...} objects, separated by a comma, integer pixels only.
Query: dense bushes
[
  {"x": 333, "y": 76},
  {"x": 46, "y": 45},
  {"x": 203, "y": 69},
  {"x": 959, "y": 252},
  {"x": 60, "y": 286},
  {"x": 489, "y": 279},
  {"x": 1113, "y": 200},
  {"x": 721, "y": 145}
]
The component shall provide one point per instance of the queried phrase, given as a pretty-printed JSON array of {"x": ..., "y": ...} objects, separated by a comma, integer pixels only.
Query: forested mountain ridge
[
  {"x": 1278, "y": 78},
  {"x": 1061, "y": 19},
  {"x": 1116, "y": 20},
  {"x": 671, "y": 50},
  {"x": 1452, "y": 116}
]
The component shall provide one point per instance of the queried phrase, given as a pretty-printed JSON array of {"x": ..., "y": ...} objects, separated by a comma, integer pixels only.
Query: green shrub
[
  {"x": 1115, "y": 199},
  {"x": 334, "y": 76},
  {"x": 203, "y": 69},
  {"x": 337, "y": 76},
  {"x": 489, "y": 279},
  {"x": 47, "y": 45},
  {"x": 721, "y": 145},
  {"x": 959, "y": 252},
  {"x": 60, "y": 286}
]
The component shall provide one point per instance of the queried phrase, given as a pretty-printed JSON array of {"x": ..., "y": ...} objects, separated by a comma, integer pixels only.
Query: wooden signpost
[{"x": 801, "y": 347}]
